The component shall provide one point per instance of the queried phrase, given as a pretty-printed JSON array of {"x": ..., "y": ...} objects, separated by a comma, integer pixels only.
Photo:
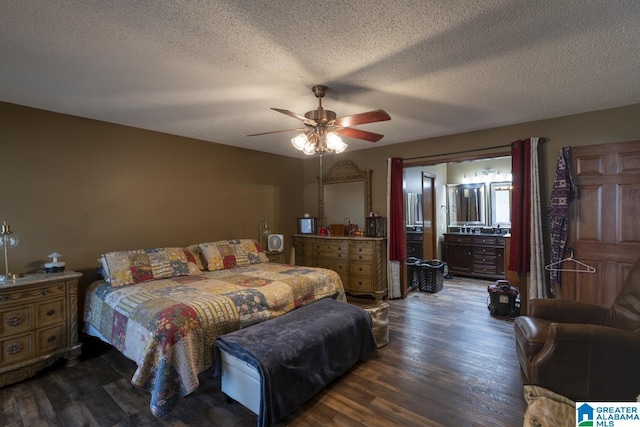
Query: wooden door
[
  {"x": 429, "y": 235},
  {"x": 604, "y": 220}
]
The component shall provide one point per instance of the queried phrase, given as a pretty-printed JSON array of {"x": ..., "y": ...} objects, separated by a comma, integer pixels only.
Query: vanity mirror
[
  {"x": 344, "y": 194},
  {"x": 467, "y": 204},
  {"x": 500, "y": 196}
]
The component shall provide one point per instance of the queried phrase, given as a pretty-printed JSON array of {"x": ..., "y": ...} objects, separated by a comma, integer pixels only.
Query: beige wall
[
  {"x": 612, "y": 125},
  {"x": 83, "y": 187}
]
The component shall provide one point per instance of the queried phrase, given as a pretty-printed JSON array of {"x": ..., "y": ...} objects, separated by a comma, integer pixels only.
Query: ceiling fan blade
[
  {"x": 278, "y": 131},
  {"x": 362, "y": 118},
  {"x": 296, "y": 116},
  {"x": 360, "y": 134}
]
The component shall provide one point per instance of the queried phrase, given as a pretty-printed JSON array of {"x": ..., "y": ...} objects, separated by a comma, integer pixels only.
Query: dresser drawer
[
  {"x": 484, "y": 260},
  {"x": 490, "y": 241},
  {"x": 458, "y": 238},
  {"x": 361, "y": 248},
  {"x": 32, "y": 294},
  {"x": 341, "y": 267},
  {"x": 478, "y": 250},
  {"x": 360, "y": 283},
  {"x": 485, "y": 269},
  {"x": 357, "y": 269},
  {"x": 17, "y": 348},
  {"x": 50, "y": 312},
  {"x": 16, "y": 320},
  {"x": 50, "y": 339},
  {"x": 368, "y": 258}
]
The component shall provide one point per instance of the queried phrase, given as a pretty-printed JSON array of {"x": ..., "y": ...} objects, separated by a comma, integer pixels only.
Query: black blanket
[{"x": 300, "y": 352}]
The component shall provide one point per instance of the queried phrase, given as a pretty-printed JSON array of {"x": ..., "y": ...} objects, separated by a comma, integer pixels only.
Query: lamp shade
[{"x": 299, "y": 141}]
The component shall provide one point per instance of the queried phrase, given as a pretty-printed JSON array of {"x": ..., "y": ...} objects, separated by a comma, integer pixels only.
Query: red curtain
[
  {"x": 520, "y": 253},
  {"x": 397, "y": 250}
]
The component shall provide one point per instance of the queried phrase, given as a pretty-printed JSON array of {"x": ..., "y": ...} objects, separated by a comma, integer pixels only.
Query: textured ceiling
[{"x": 211, "y": 70}]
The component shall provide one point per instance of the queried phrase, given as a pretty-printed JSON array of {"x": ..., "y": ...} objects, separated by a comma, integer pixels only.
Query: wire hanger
[{"x": 554, "y": 265}]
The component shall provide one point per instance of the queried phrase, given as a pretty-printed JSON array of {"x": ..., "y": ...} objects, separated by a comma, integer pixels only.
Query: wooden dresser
[
  {"x": 475, "y": 255},
  {"x": 38, "y": 324},
  {"x": 361, "y": 262}
]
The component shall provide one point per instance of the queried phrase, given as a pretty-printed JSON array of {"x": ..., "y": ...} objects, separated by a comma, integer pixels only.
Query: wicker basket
[
  {"x": 431, "y": 276},
  {"x": 413, "y": 272}
]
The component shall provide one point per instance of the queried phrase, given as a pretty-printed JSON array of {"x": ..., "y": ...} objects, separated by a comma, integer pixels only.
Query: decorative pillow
[
  {"x": 232, "y": 253},
  {"x": 142, "y": 265},
  {"x": 198, "y": 253}
]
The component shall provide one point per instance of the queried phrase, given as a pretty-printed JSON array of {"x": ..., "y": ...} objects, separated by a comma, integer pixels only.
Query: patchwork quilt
[{"x": 168, "y": 327}]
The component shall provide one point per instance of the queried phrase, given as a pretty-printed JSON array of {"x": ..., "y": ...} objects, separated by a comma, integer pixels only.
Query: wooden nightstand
[
  {"x": 38, "y": 324},
  {"x": 275, "y": 256}
]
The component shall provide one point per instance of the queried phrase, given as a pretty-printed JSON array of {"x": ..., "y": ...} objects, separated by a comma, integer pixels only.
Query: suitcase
[{"x": 502, "y": 298}]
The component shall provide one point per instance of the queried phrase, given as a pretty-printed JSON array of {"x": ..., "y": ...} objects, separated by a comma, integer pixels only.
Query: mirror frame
[
  {"x": 493, "y": 186},
  {"x": 341, "y": 172},
  {"x": 483, "y": 204}
]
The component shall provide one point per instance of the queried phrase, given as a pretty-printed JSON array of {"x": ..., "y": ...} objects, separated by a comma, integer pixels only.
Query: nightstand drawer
[
  {"x": 35, "y": 293},
  {"x": 50, "y": 312},
  {"x": 17, "y": 348},
  {"x": 16, "y": 320},
  {"x": 51, "y": 338}
]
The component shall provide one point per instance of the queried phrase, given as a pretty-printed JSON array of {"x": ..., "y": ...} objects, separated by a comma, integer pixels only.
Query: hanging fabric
[
  {"x": 537, "y": 284},
  {"x": 562, "y": 194},
  {"x": 396, "y": 251},
  {"x": 520, "y": 213}
]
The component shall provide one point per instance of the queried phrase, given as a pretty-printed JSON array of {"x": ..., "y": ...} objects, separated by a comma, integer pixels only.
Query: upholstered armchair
[{"x": 583, "y": 351}]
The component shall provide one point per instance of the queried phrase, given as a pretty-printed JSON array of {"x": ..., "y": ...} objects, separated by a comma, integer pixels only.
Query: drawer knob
[
  {"x": 45, "y": 291},
  {"x": 51, "y": 312},
  {"x": 15, "y": 319},
  {"x": 52, "y": 338},
  {"x": 15, "y": 348},
  {"x": 3, "y": 298}
]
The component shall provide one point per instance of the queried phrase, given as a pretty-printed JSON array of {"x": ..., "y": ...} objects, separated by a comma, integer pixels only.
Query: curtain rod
[{"x": 458, "y": 152}]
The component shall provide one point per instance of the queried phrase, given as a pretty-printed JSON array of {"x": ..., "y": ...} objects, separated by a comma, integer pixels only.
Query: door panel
[{"x": 604, "y": 220}]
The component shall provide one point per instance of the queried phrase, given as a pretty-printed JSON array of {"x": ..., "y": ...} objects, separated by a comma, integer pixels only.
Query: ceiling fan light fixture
[
  {"x": 309, "y": 148},
  {"x": 299, "y": 141},
  {"x": 321, "y": 137},
  {"x": 333, "y": 141},
  {"x": 340, "y": 148}
]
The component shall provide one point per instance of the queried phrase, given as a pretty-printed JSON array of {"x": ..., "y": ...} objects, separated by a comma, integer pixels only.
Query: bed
[{"x": 164, "y": 308}]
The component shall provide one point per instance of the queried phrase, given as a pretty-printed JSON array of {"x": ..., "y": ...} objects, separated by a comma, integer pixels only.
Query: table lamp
[{"x": 7, "y": 240}]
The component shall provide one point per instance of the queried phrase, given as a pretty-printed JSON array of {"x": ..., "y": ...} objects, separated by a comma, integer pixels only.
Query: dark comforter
[{"x": 308, "y": 348}]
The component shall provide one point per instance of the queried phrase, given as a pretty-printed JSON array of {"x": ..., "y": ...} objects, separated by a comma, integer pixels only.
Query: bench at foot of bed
[{"x": 275, "y": 366}]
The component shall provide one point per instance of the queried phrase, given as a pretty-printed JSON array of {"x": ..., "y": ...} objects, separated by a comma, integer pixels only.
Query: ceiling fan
[{"x": 323, "y": 130}]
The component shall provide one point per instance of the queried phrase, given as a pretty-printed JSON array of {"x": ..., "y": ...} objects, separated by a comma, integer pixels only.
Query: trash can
[{"x": 431, "y": 276}]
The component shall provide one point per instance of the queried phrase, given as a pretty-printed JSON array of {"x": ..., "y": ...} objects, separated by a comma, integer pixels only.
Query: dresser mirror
[
  {"x": 344, "y": 195},
  {"x": 467, "y": 204},
  {"x": 500, "y": 196}
]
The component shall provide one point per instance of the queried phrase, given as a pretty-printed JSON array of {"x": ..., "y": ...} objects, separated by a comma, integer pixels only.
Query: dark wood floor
[{"x": 448, "y": 363}]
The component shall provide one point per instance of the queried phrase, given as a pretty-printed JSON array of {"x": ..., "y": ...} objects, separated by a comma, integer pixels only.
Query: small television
[{"x": 307, "y": 225}]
